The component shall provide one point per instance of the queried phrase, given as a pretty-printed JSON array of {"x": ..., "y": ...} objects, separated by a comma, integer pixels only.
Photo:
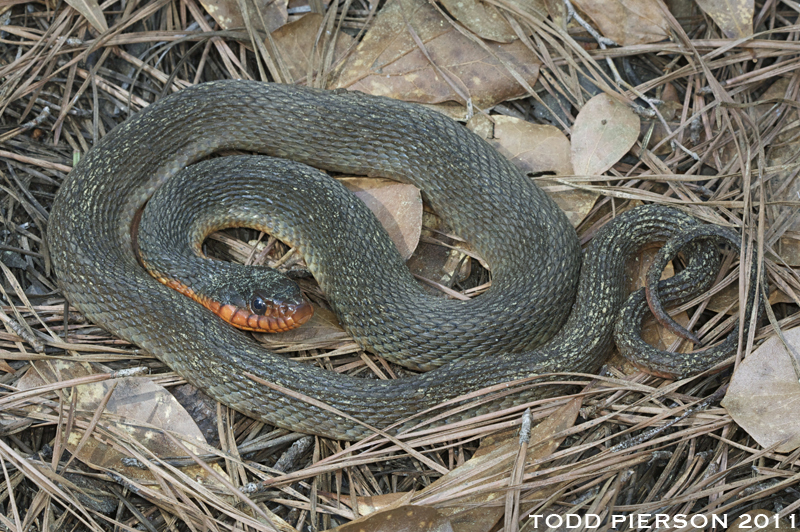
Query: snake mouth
[{"x": 278, "y": 317}]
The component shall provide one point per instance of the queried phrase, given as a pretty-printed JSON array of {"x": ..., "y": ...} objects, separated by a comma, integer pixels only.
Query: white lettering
[
  {"x": 558, "y": 520},
  {"x": 720, "y": 521},
  {"x": 703, "y": 520}
]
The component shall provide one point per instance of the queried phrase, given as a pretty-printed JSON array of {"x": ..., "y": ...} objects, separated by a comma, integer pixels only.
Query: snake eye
[{"x": 258, "y": 305}]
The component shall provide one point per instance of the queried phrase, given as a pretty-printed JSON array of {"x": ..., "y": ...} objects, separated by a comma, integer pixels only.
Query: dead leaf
[
  {"x": 778, "y": 91},
  {"x": 557, "y": 11},
  {"x": 454, "y": 110},
  {"x": 682, "y": 9},
  {"x": 44, "y": 372},
  {"x": 440, "y": 258},
  {"x": 627, "y": 22},
  {"x": 135, "y": 405},
  {"x": 603, "y": 133},
  {"x": 764, "y": 394},
  {"x": 533, "y": 148},
  {"x": 397, "y": 206},
  {"x": 495, "y": 457},
  {"x": 322, "y": 327},
  {"x": 229, "y": 16},
  {"x": 389, "y": 62},
  {"x": 541, "y": 149},
  {"x": 485, "y": 20},
  {"x": 295, "y": 42},
  {"x": 134, "y": 401},
  {"x": 401, "y": 519},
  {"x": 778, "y": 296},
  {"x": 369, "y": 505},
  {"x": 435, "y": 262},
  {"x": 734, "y": 17},
  {"x": 726, "y": 300},
  {"x": 91, "y": 11},
  {"x": 538, "y": 9},
  {"x": 789, "y": 250}
]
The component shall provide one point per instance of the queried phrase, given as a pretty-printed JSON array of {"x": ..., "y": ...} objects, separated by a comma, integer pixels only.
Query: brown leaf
[
  {"x": 454, "y": 110},
  {"x": 734, "y": 17},
  {"x": 780, "y": 89},
  {"x": 485, "y": 20},
  {"x": 778, "y": 296},
  {"x": 389, "y": 62},
  {"x": 134, "y": 403},
  {"x": 538, "y": 9},
  {"x": 495, "y": 457},
  {"x": 369, "y": 505},
  {"x": 322, "y": 327},
  {"x": 49, "y": 371},
  {"x": 682, "y": 9},
  {"x": 295, "y": 42},
  {"x": 439, "y": 258},
  {"x": 229, "y": 16},
  {"x": 537, "y": 149},
  {"x": 377, "y": 503},
  {"x": 764, "y": 394},
  {"x": 789, "y": 250},
  {"x": 397, "y": 206},
  {"x": 604, "y": 131},
  {"x": 557, "y": 11},
  {"x": 90, "y": 9},
  {"x": 401, "y": 519},
  {"x": 627, "y": 22},
  {"x": 439, "y": 264},
  {"x": 726, "y": 300},
  {"x": 533, "y": 148}
]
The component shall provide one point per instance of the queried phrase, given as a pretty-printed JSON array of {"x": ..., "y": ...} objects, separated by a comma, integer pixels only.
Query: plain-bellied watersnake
[{"x": 499, "y": 337}]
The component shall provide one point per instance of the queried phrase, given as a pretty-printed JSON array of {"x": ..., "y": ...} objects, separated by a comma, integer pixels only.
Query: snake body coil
[{"x": 514, "y": 331}]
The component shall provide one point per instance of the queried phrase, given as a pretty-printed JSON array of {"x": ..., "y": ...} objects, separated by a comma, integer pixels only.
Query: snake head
[{"x": 256, "y": 299}]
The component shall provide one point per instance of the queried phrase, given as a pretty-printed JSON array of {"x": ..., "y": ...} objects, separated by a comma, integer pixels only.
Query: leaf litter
[{"x": 567, "y": 110}]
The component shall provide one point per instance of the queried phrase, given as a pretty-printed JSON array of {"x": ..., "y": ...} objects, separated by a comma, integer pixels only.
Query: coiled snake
[{"x": 499, "y": 337}]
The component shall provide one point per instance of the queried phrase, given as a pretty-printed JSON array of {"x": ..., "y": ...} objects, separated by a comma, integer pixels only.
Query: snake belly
[{"x": 515, "y": 331}]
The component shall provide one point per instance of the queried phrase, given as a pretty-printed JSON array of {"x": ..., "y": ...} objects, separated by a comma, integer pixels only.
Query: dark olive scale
[{"x": 528, "y": 241}]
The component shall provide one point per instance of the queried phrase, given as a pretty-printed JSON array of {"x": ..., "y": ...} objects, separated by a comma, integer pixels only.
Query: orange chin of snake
[{"x": 276, "y": 318}]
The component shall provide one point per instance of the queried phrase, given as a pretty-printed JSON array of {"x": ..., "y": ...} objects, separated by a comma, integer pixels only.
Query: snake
[{"x": 551, "y": 308}]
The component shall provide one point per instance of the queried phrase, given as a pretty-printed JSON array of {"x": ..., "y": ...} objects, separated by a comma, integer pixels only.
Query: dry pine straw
[{"x": 62, "y": 89}]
